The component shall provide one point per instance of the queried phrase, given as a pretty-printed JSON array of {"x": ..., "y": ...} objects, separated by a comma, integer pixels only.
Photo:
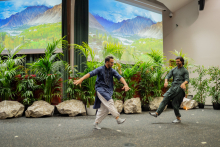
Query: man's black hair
[{"x": 108, "y": 58}]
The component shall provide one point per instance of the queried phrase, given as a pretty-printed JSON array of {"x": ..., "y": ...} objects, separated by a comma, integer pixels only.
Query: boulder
[
  {"x": 39, "y": 109},
  {"x": 10, "y": 109},
  {"x": 119, "y": 105},
  {"x": 154, "y": 105},
  {"x": 188, "y": 104},
  {"x": 132, "y": 105},
  {"x": 72, "y": 107}
]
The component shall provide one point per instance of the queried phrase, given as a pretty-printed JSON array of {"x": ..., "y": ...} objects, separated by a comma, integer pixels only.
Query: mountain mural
[
  {"x": 22, "y": 17},
  {"x": 126, "y": 27},
  {"x": 52, "y": 15},
  {"x": 4, "y": 21},
  {"x": 93, "y": 23},
  {"x": 154, "y": 31},
  {"x": 104, "y": 22},
  {"x": 133, "y": 26}
]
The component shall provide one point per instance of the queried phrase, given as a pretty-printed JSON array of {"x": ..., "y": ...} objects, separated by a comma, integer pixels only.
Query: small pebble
[
  {"x": 137, "y": 120},
  {"x": 202, "y": 110},
  {"x": 159, "y": 126},
  {"x": 16, "y": 136},
  {"x": 203, "y": 142},
  {"x": 119, "y": 130},
  {"x": 197, "y": 122},
  {"x": 59, "y": 125},
  {"x": 192, "y": 114}
]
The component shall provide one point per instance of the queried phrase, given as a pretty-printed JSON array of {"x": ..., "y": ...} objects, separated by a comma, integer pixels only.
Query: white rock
[
  {"x": 132, "y": 105},
  {"x": 39, "y": 109},
  {"x": 71, "y": 107},
  {"x": 10, "y": 109},
  {"x": 119, "y": 105},
  {"x": 188, "y": 104}
]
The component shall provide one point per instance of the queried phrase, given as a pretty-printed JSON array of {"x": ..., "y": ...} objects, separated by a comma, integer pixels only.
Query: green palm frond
[
  {"x": 157, "y": 56},
  {"x": 86, "y": 50}
]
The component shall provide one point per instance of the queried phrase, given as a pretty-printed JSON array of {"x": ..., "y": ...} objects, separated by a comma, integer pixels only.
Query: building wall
[{"x": 198, "y": 34}]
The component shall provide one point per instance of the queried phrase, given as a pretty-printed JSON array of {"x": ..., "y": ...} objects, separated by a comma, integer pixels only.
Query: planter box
[
  {"x": 216, "y": 106},
  {"x": 145, "y": 107},
  {"x": 201, "y": 105}
]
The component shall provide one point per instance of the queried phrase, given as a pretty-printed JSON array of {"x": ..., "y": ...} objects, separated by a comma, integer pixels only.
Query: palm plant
[
  {"x": 128, "y": 73},
  {"x": 48, "y": 68},
  {"x": 115, "y": 50},
  {"x": 74, "y": 91},
  {"x": 86, "y": 50},
  {"x": 26, "y": 88},
  {"x": 157, "y": 57},
  {"x": 10, "y": 67},
  {"x": 145, "y": 85},
  {"x": 158, "y": 71}
]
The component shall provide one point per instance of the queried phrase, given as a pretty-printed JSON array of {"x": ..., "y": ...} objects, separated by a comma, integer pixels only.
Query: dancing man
[
  {"x": 104, "y": 90},
  {"x": 176, "y": 93}
]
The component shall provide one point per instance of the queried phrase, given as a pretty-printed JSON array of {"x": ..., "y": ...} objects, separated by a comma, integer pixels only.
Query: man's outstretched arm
[{"x": 88, "y": 75}]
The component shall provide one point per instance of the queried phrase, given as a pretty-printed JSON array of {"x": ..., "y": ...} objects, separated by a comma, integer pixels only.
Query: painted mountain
[
  {"x": 22, "y": 17},
  {"x": 154, "y": 31},
  {"x": 138, "y": 25},
  {"x": 52, "y": 15},
  {"x": 132, "y": 26},
  {"x": 104, "y": 22},
  {"x": 93, "y": 23}
]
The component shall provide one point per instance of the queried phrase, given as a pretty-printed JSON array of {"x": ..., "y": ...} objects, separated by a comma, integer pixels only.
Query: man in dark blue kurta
[
  {"x": 176, "y": 93},
  {"x": 104, "y": 90}
]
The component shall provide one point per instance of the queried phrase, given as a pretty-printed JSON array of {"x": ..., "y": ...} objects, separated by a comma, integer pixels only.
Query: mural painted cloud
[{"x": 133, "y": 29}]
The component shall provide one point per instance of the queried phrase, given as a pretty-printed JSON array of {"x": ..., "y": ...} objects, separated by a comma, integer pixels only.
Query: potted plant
[
  {"x": 214, "y": 91},
  {"x": 48, "y": 70},
  {"x": 200, "y": 85}
]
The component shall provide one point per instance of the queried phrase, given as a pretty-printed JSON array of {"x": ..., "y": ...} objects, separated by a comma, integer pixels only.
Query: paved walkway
[{"x": 200, "y": 127}]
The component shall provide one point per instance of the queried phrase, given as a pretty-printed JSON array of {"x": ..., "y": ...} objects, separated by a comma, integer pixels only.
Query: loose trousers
[
  {"x": 105, "y": 108},
  {"x": 176, "y": 97}
]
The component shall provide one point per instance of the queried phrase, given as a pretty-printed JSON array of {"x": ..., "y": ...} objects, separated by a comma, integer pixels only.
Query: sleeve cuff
[{"x": 91, "y": 74}]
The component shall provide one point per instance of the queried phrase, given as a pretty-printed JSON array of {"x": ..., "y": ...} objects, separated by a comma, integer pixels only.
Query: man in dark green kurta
[{"x": 176, "y": 93}]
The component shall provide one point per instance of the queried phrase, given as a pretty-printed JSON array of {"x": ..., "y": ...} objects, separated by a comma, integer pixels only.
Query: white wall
[{"x": 198, "y": 34}]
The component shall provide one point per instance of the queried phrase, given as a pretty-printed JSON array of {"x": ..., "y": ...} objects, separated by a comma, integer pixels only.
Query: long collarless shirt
[
  {"x": 179, "y": 75},
  {"x": 104, "y": 83}
]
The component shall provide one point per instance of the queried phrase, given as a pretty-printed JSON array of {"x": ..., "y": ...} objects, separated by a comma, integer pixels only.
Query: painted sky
[
  {"x": 7, "y": 8},
  {"x": 116, "y": 11}
]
